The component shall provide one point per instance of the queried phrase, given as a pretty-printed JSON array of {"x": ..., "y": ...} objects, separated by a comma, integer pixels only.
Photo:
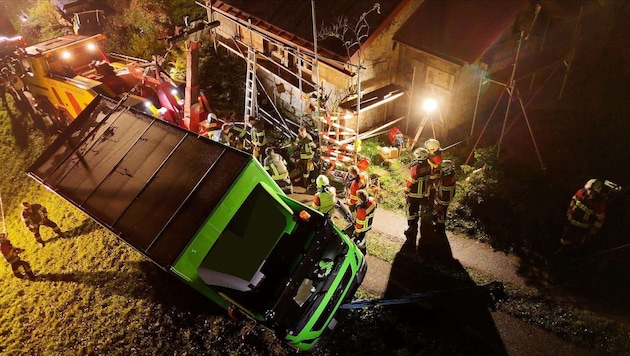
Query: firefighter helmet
[
  {"x": 322, "y": 181},
  {"x": 432, "y": 145},
  {"x": 227, "y": 125},
  {"x": 421, "y": 153},
  {"x": 595, "y": 185},
  {"x": 269, "y": 151},
  {"x": 447, "y": 167},
  {"x": 362, "y": 195}
]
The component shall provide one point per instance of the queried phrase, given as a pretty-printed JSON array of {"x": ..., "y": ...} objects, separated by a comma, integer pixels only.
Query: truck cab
[{"x": 63, "y": 75}]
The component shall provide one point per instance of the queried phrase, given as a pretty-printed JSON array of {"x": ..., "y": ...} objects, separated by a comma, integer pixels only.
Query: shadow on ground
[{"x": 453, "y": 318}]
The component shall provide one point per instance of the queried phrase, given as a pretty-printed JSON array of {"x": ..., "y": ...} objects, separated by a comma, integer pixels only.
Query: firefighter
[
  {"x": 585, "y": 216},
  {"x": 366, "y": 207},
  {"x": 34, "y": 215},
  {"x": 257, "y": 135},
  {"x": 326, "y": 197},
  {"x": 444, "y": 192},
  {"x": 418, "y": 197},
  {"x": 12, "y": 255},
  {"x": 360, "y": 181},
  {"x": 307, "y": 147},
  {"x": 276, "y": 166}
]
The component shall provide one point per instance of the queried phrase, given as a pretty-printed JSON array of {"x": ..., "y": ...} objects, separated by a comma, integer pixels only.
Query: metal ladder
[{"x": 250, "y": 84}]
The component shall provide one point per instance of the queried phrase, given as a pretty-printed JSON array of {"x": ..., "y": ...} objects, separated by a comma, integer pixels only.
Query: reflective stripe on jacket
[
  {"x": 258, "y": 134},
  {"x": 9, "y": 253},
  {"x": 365, "y": 215},
  {"x": 445, "y": 190},
  {"x": 586, "y": 211},
  {"x": 325, "y": 200},
  {"x": 35, "y": 217},
  {"x": 307, "y": 146},
  {"x": 275, "y": 165},
  {"x": 419, "y": 182}
]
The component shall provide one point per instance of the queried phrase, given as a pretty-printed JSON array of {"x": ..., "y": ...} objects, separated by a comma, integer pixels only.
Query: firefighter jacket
[
  {"x": 34, "y": 216},
  {"x": 434, "y": 161},
  {"x": 306, "y": 146},
  {"x": 325, "y": 199},
  {"x": 276, "y": 166},
  {"x": 258, "y": 135},
  {"x": 365, "y": 216},
  {"x": 445, "y": 189},
  {"x": 10, "y": 254},
  {"x": 238, "y": 132},
  {"x": 359, "y": 182},
  {"x": 587, "y": 211},
  {"x": 419, "y": 183}
]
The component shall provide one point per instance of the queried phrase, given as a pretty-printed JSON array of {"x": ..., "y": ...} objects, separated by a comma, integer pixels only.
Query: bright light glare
[
  {"x": 65, "y": 55},
  {"x": 91, "y": 46},
  {"x": 429, "y": 105}
]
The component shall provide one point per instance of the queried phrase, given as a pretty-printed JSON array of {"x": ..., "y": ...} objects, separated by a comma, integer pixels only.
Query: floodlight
[{"x": 429, "y": 105}]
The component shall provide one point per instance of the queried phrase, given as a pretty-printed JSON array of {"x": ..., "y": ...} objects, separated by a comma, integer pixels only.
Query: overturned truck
[{"x": 208, "y": 214}]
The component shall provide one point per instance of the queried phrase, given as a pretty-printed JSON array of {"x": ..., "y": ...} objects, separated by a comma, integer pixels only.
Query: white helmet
[
  {"x": 421, "y": 153},
  {"x": 447, "y": 166},
  {"x": 432, "y": 145},
  {"x": 595, "y": 185},
  {"x": 322, "y": 181}
]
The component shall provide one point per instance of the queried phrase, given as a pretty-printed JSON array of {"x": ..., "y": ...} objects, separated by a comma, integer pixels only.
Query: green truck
[{"x": 208, "y": 214}]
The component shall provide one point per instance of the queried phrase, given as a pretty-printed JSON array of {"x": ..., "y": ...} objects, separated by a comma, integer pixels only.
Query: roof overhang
[{"x": 375, "y": 98}]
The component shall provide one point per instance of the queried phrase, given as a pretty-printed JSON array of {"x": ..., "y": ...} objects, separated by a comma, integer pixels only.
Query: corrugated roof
[
  {"x": 458, "y": 30},
  {"x": 294, "y": 17}
]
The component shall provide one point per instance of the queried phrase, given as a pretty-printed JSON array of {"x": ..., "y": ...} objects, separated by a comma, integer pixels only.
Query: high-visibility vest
[
  {"x": 257, "y": 133},
  {"x": 419, "y": 182},
  {"x": 307, "y": 147},
  {"x": 238, "y": 131},
  {"x": 365, "y": 216},
  {"x": 325, "y": 200},
  {"x": 586, "y": 211},
  {"x": 276, "y": 167}
]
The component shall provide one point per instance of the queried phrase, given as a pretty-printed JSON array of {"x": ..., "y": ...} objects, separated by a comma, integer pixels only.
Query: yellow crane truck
[{"x": 61, "y": 76}]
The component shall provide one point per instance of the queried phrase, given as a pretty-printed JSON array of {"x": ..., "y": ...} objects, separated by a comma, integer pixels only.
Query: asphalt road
[{"x": 518, "y": 337}]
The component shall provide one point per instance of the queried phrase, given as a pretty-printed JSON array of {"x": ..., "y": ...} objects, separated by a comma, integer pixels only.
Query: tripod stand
[{"x": 513, "y": 93}]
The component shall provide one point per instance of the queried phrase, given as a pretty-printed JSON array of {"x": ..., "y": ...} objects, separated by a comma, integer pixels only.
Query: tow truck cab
[{"x": 207, "y": 213}]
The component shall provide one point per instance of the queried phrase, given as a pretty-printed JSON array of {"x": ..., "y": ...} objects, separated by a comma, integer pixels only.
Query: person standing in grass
[
  {"x": 12, "y": 256},
  {"x": 34, "y": 215}
]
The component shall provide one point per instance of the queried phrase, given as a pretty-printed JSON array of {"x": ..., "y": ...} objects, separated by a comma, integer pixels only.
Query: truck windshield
[{"x": 236, "y": 259}]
